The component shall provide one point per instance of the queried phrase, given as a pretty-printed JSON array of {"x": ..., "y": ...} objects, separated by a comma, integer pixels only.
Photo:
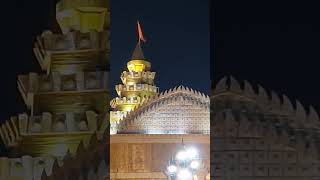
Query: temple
[
  {"x": 240, "y": 131},
  {"x": 67, "y": 101},
  {"x": 138, "y": 86},
  {"x": 148, "y": 126}
]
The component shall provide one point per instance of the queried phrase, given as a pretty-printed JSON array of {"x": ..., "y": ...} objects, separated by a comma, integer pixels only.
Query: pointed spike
[
  {"x": 234, "y": 85},
  {"x": 221, "y": 86},
  {"x": 67, "y": 155},
  {"x": 263, "y": 95},
  {"x": 313, "y": 117},
  {"x": 55, "y": 166},
  {"x": 44, "y": 175},
  {"x": 300, "y": 115},
  {"x": 81, "y": 148},
  {"x": 275, "y": 100},
  {"x": 286, "y": 104},
  {"x": 248, "y": 90}
]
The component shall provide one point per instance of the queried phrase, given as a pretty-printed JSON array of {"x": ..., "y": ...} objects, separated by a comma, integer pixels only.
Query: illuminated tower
[
  {"x": 68, "y": 100},
  {"x": 138, "y": 86}
]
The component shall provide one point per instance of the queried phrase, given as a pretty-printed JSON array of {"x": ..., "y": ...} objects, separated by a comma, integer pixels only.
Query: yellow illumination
[
  {"x": 137, "y": 87},
  {"x": 84, "y": 19},
  {"x": 138, "y": 66}
]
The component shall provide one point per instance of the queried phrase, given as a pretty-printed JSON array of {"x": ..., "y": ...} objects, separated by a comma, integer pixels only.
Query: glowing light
[
  {"x": 184, "y": 174},
  {"x": 182, "y": 155},
  {"x": 194, "y": 165},
  {"x": 172, "y": 169},
  {"x": 192, "y": 153},
  {"x": 113, "y": 131}
]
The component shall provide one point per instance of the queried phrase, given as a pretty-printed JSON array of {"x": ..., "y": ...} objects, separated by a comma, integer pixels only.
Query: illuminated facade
[
  {"x": 138, "y": 86},
  {"x": 148, "y": 127},
  {"x": 67, "y": 101}
]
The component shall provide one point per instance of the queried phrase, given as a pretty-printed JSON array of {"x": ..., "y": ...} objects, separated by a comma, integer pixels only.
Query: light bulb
[
  {"x": 192, "y": 153},
  {"x": 182, "y": 155},
  {"x": 194, "y": 164},
  {"x": 184, "y": 174},
  {"x": 172, "y": 169}
]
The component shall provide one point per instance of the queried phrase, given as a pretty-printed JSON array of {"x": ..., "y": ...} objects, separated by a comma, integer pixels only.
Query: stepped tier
[
  {"x": 83, "y": 15},
  {"x": 90, "y": 155},
  {"x": 130, "y": 78},
  {"x": 56, "y": 92},
  {"x": 138, "y": 86},
  {"x": 138, "y": 65},
  {"x": 68, "y": 104},
  {"x": 73, "y": 51},
  {"x": 142, "y": 90},
  {"x": 127, "y": 104},
  {"x": 50, "y": 134}
]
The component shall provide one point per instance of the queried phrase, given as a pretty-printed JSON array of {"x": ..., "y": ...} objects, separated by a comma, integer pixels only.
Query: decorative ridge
[
  {"x": 164, "y": 97},
  {"x": 270, "y": 101},
  {"x": 95, "y": 150}
]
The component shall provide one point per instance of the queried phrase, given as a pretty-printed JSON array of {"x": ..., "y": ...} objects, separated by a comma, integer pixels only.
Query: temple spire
[
  {"x": 138, "y": 53},
  {"x": 136, "y": 88}
]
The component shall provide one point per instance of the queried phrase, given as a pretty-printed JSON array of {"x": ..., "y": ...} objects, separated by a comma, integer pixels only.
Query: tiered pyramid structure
[
  {"x": 138, "y": 86},
  {"x": 68, "y": 101}
]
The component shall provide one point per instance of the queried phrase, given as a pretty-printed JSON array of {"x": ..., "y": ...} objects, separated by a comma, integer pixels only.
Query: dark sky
[
  {"x": 20, "y": 25},
  {"x": 177, "y": 33},
  {"x": 274, "y": 43}
]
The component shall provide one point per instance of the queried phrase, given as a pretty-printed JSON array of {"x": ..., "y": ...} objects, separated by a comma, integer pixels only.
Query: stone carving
[{"x": 274, "y": 140}]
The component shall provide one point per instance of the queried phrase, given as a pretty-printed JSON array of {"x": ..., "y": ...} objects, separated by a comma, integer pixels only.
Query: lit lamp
[{"x": 184, "y": 165}]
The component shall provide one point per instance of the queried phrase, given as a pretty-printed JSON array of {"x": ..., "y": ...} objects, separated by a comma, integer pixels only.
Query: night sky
[
  {"x": 177, "y": 45},
  {"x": 177, "y": 33},
  {"x": 19, "y": 27},
  {"x": 274, "y": 43}
]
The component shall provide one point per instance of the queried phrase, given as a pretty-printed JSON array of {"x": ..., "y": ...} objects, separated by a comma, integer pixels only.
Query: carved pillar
[
  {"x": 33, "y": 82},
  {"x": 46, "y": 122},
  {"x": 80, "y": 80},
  {"x": 92, "y": 120},
  {"x": 23, "y": 123},
  {"x": 27, "y": 163},
  {"x": 56, "y": 81},
  {"x": 70, "y": 122}
]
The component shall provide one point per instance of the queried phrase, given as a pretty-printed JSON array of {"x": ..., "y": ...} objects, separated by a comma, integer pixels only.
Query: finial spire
[{"x": 138, "y": 53}]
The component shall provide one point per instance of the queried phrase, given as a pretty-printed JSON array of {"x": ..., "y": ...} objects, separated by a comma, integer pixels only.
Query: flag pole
[{"x": 138, "y": 33}]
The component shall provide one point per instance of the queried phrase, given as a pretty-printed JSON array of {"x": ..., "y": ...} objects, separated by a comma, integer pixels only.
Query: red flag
[{"x": 140, "y": 33}]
